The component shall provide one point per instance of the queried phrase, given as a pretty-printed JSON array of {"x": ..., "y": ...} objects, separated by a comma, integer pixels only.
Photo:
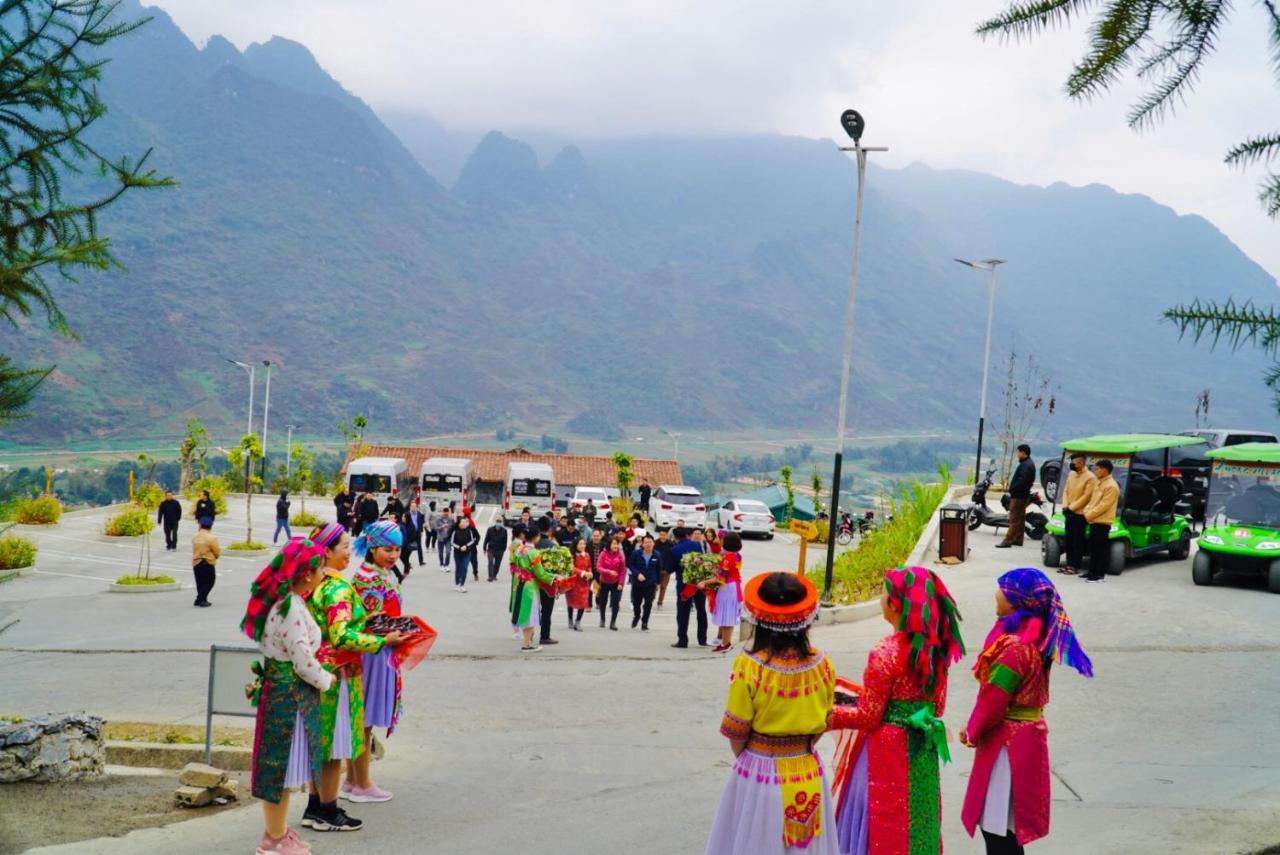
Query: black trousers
[
  {"x": 170, "y": 536},
  {"x": 1076, "y": 529},
  {"x": 642, "y": 603},
  {"x": 205, "y": 577},
  {"x": 1007, "y": 845},
  {"x": 495, "y": 564},
  {"x": 683, "y": 607},
  {"x": 1099, "y": 549},
  {"x": 547, "y": 603},
  {"x": 610, "y": 596},
  {"x": 417, "y": 545}
]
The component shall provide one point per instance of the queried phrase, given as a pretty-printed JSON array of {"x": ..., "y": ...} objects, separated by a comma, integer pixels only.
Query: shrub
[
  {"x": 858, "y": 574},
  {"x": 305, "y": 519},
  {"x": 249, "y": 545},
  {"x": 824, "y": 531},
  {"x": 149, "y": 495},
  {"x": 145, "y": 580},
  {"x": 217, "y": 491},
  {"x": 130, "y": 522},
  {"x": 43, "y": 510},
  {"x": 15, "y": 552}
]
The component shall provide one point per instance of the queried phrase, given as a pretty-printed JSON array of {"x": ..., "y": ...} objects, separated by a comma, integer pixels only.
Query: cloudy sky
[{"x": 930, "y": 89}]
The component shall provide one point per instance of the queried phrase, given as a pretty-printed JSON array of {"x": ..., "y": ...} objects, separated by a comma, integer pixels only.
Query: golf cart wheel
[
  {"x": 1051, "y": 549},
  {"x": 1116, "y": 565},
  {"x": 973, "y": 520},
  {"x": 1273, "y": 577},
  {"x": 1202, "y": 569},
  {"x": 1182, "y": 548}
]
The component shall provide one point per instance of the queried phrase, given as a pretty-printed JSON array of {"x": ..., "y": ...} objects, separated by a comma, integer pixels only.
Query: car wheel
[
  {"x": 1273, "y": 577},
  {"x": 1180, "y": 550},
  {"x": 1202, "y": 569},
  {"x": 1116, "y": 565},
  {"x": 769, "y": 536},
  {"x": 1051, "y": 549}
]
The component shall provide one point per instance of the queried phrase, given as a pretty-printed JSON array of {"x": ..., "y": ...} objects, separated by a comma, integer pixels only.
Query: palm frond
[
  {"x": 1255, "y": 149},
  {"x": 1123, "y": 26},
  {"x": 1269, "y": 195},
  {"x": 1273, "y": 26},
  {"x": 1237, "y": 325},
  {"x": 1025, "y": 19}
]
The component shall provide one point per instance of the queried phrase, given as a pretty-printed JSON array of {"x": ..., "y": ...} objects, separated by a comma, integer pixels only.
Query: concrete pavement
[{"x": 608, "y": 742}]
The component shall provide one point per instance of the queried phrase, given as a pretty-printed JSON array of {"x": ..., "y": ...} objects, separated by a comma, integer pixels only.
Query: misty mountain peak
[
  {"x": 569, "y": 174},
  {"x": 290, "y": 64},
  {"x": 219, "y": 50},
  {"x": 501, "y": 169}
]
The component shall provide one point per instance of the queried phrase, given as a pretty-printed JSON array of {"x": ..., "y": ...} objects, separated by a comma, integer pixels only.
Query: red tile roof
[{"x": 579, "y": 470}]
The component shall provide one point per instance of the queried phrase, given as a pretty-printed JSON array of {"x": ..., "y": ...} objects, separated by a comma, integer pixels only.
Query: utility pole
[
  {"x": 288, "y": 456},
  {"x": 989, "y": 267},
  {"x": 266, "y": 411}
]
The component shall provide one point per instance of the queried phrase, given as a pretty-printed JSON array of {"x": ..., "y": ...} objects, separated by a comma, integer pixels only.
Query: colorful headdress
[
  {"x": 329, "y": 534},
  {"x": 1040, "y": 618},
  {"x": 930, "y": 619},
  {"x": 273, "y": 583},
  {"x": 381, "y": 533},
  {"x": 792, "y": 618}
]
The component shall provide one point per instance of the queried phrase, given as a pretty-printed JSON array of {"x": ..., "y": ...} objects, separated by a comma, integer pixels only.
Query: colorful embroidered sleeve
[
  {"x": 1009, "y": 667},
  {"x": 342, "y": 632},
  {"x": 541, "y": 573},
  {"x": 877, "y": 682},
  {"x": 740, "y": 707}
]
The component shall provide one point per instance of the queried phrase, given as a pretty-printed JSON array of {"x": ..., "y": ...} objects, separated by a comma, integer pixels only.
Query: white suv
[{"x": 671, "y": 503}]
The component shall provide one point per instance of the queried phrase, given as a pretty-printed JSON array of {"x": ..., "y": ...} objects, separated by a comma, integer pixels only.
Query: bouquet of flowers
[
  {"x": 558, "y": 561},
  {"x": 699, "y": 567}
]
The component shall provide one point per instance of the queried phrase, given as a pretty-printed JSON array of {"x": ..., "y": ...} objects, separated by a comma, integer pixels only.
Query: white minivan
[
  {"x": 447, "y": 479},
  {"x": 528, "y": 485},
  {"x": 379, "y": 476},
  {"x": 671, "y": 503}
]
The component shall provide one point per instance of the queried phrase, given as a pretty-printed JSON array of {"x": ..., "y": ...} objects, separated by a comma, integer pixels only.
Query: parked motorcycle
[
  {"x": 980, "y": 514},
  {"x": 851, "y": 525}
]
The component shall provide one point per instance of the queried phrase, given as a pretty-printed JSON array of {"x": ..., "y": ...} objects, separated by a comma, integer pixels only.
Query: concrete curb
[
  {"x": 161, "y": 755},
  {"x": 926, "y": 550},
  {"x": 144, "y": 589},
  {"x": 831, "y": 615},
  {"x": 134, "y": 539},
  {"x": 23, "y": 528}
]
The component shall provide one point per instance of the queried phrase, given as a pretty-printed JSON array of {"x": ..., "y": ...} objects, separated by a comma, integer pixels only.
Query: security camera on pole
[{"x": 853, "y": 124}]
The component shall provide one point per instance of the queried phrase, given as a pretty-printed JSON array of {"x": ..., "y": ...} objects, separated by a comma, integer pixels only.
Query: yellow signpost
[{"x": 807, "y": 531}]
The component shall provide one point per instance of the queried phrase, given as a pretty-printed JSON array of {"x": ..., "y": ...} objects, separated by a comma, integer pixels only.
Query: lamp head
[{"x": 853, "y": 124}]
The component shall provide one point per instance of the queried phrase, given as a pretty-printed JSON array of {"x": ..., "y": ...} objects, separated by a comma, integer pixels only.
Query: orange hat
[{"x": 788, "y": 618}]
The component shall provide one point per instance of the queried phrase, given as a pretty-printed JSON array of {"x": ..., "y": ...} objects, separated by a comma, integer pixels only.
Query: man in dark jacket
[
  {"x": 418, "y": 522},
  {"x": 645, "y": 567},
  {"x": 282, "y": 517},
  {"x": 1024, "y": 477},
  {"x": 463, "y": 539},
  {"x": 366, "y": 513},
  {"x": 663, "y": 548},
  {"x": 547, "y": 602},
  {"x": 394, "y": 507},
  {"x": 686, "y": 543},
  {"x": 168, "y": 515},
  {"x": 645, "y": 492},
  {"x": 342, "y": 508},
  {"x": 495, "y": 546}
]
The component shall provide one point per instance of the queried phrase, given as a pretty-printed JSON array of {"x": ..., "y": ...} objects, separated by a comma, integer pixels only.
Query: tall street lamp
[
  {"x": 288, "y": 456},
  {"x": 266, "y": 411},
  {"x": 249, "y": 427},
  {"x": 989, "y": 267},
  {"x": 853, "y": 124},
  {"x": 675, "y": 441}
]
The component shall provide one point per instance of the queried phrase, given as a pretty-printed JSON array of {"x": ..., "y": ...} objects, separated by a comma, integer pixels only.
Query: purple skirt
[
  {"x": 728, "y": 611},
  {"x": 342, "y": 725},
  {"x": 851, "y": 813},
  {"x": 298, "y": 772},
  {"x": 379, "y": 688}
]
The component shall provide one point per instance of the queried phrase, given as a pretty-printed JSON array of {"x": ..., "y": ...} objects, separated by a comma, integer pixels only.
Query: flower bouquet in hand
[
  {"x": 698, "y": 570},
  {"x": 558, "y": 561}
]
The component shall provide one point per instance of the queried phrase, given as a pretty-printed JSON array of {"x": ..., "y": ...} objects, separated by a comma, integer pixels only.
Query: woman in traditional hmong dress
[
  {"x": 887, "y": 789},
  {"x": 375, "y": 585},
  {"x": 725, "y": 601},
  {"x": 1008, "y": 794},
  {"x": 780, "y": 695},
  {"x": 527, "y": 574},
  {"x": 287, "y": 745}
]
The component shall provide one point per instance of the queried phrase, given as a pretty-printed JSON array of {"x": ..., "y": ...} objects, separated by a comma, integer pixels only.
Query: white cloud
[{"x": 930, "y": 89}]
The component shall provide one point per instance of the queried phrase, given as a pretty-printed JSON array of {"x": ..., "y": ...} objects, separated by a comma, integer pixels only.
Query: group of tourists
[
  {"x": 333, "y": 647},
  {"x": 784, "y": 694}
]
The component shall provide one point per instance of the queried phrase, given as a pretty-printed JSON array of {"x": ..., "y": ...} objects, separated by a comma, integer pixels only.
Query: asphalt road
[{"x": 608, "y": 742}]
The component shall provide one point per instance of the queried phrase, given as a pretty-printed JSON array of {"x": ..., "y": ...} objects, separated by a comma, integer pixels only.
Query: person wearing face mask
[{"x": 1078, "y": 491}]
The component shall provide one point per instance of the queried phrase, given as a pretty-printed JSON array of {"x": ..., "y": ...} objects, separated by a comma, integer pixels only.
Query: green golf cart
[
  {"x": 1242, "y": 515},
  {"x": 1153, "y": 514}
]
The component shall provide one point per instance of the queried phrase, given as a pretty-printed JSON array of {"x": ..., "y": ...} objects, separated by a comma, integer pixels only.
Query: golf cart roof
[
  {"x": 1248, "y": 452},
  {"x": 1130, "y": 443}
]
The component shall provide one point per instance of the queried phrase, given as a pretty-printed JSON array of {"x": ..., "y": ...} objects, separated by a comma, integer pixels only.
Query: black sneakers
[{"x": 330, "y": 817}]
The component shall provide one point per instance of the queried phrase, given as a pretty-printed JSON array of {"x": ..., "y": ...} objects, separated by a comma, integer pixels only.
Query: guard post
[{"x": 228, "y": 674}]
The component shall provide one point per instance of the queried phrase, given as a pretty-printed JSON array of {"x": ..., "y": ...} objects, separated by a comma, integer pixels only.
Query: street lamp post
[
  {"x": 853, "y": 124},
  {"x": 288, "y": 456},
  {"x": 266, "y": 411},
  {"x": 249, "y": 427},
  {"x": 675, "y": 443},
  {"x": 989, "y": 267}
]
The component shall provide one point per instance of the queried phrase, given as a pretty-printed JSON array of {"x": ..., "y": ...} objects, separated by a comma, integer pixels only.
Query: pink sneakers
[
  {"x": 290, "y": 844},
  {"x": 370, "y": 794}
]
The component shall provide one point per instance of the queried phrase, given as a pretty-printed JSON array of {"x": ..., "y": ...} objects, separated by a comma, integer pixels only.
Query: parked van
[
  {"x": 380, "y": 475},
  {"x": 528, "y": 485},
  {"x": 448, "y": 479}
]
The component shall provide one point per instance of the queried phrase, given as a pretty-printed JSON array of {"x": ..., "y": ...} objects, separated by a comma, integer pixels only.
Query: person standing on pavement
[
  {"x": 546, "y": 598},
  {"x": 406, "y": 546},
  {"x": 566, "y": 533},
  {"x": 645, "y": 566},
  {"x": 394, "y": 507},
  {"x": 577, "y": 598},
  {"x": 429, "y": 533},
  {"x": 1024, "y": 477},
  {"x": 645, "y": 492},
  {"x": 444, "y": 527},
  {"x": 366, "y": 513},
  {"x": 726, "y": 601},
  {"x": 169, "y": 514},
  {"x": 1099, "y": 514},
  {"x": 663, "y": 546},
  {"x": 1079, "y": 490},
  {"x": 589, "y": 513},
  {"x": 495, "y": 545},
  {"x": 342, "y": 508},
  {"x": 595, "y": 546},
  {"x": 463, "y": 539},
  {"x": 611, "y": 567},
  {"x": 419, "y": 522},
  {"x": 205, "y": 507},
  {"x": 282, "y": 516},
  {"x": 205, "y": 553},
  {"x": 695, "y": 600}
]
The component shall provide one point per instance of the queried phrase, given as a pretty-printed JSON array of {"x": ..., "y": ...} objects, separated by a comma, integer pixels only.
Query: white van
[
  {"x": 671, "y": 503},
  {"x": 447, "y": 479},
  {"x": 528, "y": 485},
  {"x": 379, "y": 475}
]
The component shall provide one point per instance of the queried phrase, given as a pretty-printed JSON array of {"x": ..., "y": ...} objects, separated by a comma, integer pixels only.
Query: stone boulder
[{"x": 51, "y": 748}]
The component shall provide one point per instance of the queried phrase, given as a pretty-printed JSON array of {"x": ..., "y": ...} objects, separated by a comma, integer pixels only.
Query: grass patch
[
  {"x": 12, "y": 719},
  {"x": 16, "y": 552},
  {"x": 246, "y": 545},
  {"x": 858, "y": 574},
  {"x": 131, "y": 522},
  {"x": 42, "y": 510},
  {"x": 177, "y": 734},
  {"x": 306, "y": 519},
  {"x": 145, "y": 580}
]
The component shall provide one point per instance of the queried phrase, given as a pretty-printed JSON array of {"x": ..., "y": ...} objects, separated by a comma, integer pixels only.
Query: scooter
[{"x": 980, "y": 514}]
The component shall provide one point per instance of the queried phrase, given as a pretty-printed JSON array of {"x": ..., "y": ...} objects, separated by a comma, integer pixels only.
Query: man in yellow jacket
[
  {"x": 1099, "y": 513},
  {"x": 1078, "y": 491}
]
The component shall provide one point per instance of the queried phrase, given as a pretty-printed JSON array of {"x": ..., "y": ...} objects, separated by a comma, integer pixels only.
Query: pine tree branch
[{"x": 1237, "y": 325}]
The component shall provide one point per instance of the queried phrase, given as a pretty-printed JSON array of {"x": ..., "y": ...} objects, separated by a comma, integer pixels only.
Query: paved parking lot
[{"x": 608, "y": 740}]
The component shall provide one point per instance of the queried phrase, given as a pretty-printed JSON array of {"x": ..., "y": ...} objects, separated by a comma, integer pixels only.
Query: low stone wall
[{"x": 51, "y": 748}]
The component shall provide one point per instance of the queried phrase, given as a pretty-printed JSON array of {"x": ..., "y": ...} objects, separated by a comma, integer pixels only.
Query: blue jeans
[
  {"x": 461, "y": 559},
  {"x": 282, "y": 523},
  {"x": 443, "y": 549}
]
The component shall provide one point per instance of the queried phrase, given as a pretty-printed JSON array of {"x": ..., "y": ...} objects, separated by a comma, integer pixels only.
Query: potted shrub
[
  {"x": 39, "y": 510},
  {"x": 16, "y": 552},
  {"x": 131, "y": 521}
]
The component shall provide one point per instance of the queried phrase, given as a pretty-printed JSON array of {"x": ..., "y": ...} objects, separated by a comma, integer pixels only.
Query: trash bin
[{"x": 953, "y": 532}]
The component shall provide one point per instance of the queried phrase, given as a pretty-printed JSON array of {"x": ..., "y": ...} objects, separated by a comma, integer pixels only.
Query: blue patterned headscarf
[
  {"x": 381, "y": 533},
  {"x": 1040, "y": 618}
]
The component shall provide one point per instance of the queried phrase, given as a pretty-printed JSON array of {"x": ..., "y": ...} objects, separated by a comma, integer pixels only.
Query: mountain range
[{"x": 684, "y": 282}]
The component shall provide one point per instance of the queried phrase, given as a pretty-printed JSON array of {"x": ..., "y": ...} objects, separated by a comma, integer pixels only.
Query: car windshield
[
  {"x": 370, "y": 483},
  {"x": 526, "y": 487},
  {"x": 684, "y": 498},
  {"x": 1242, "y": 438},
  {"x": 1244, "y": 494},
  {"x": 753, "y": 507},
  {"x": 442, "y": 483}
]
